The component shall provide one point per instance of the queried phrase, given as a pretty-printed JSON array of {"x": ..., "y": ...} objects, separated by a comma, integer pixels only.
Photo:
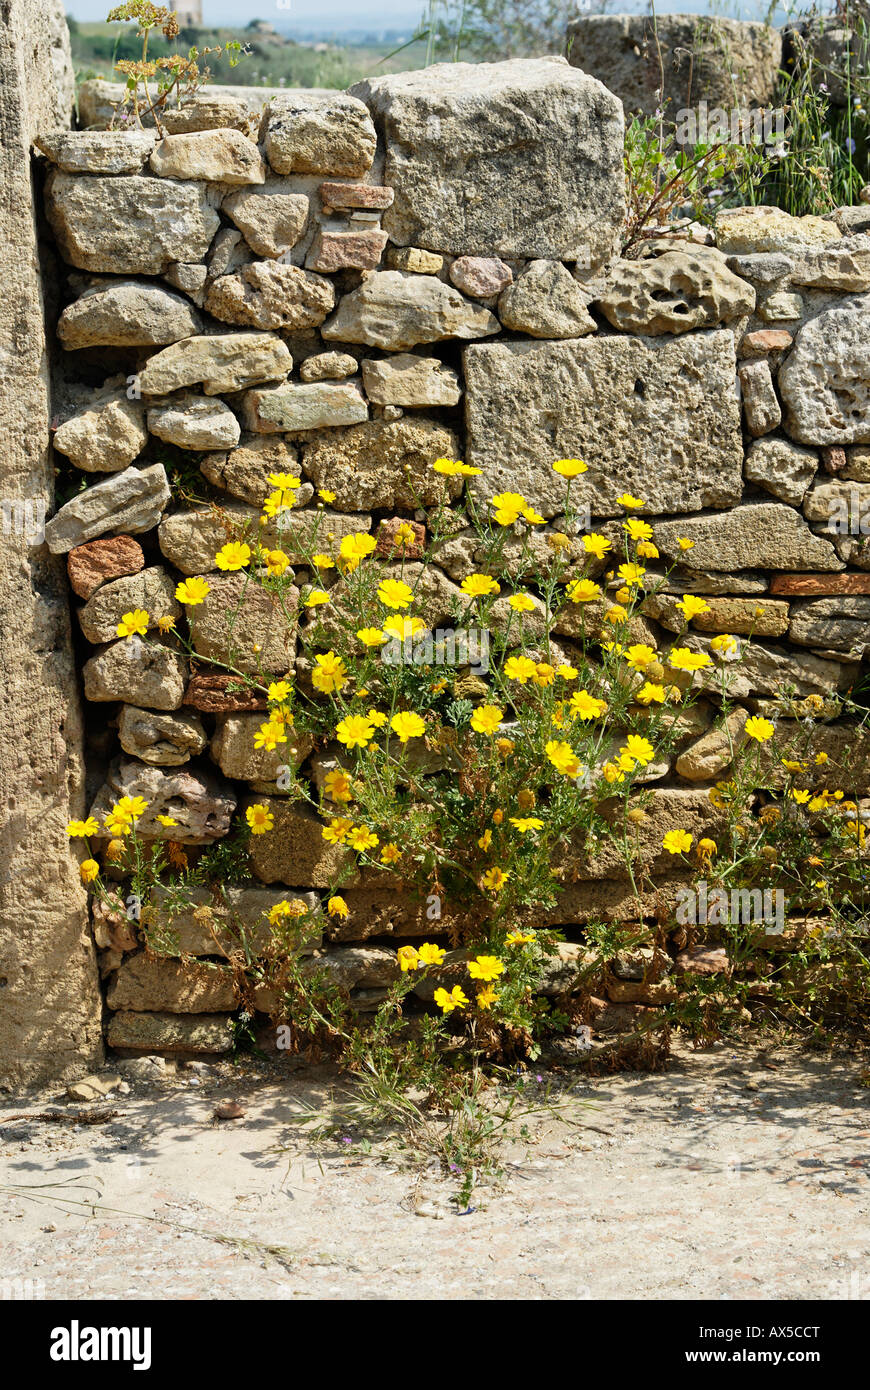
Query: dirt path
[{"x": 736, "y": 1174}]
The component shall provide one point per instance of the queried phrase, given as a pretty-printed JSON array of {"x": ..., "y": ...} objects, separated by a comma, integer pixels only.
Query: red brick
[
  {"x": 111, "y": 557},
  {"x": 210, "y": 694},
  {"x": 820, "y": 584},
  {"x": 355, "y": 195}
]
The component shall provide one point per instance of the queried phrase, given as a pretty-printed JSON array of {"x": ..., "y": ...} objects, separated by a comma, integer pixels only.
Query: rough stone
[
  {"x": 843, "y": 266},
  {"x": 106, "y": 436},
  {"x": 750, "y": 230},
  {"x": 166, "y": 740},
  {"x": 666, "y": 808},
  {"x": 271, "y": 219},
  {"x": 628, "y": 400},
  {"x": 675, "y": 292},
  {"x": 760, "y": 405},
  {"x": 126, "y": 313},
  {"x": 158, "y": 1032},
  {"x": 476, "y": 156},
  {"x": 334, "y": 250},
  {"x": 820, "y": 584},
  {"x": 140, "y": 673},
  {"x": 857, "y": 468},
  {"x": 153, "y": 986},
  {"x": 756, "y": 616},
  {"x": 243, "y": 625},
  {"x": 217, "y": 156},
  {"x": 410, "y": 381},
  {"x": 838, "y": 624},
  {"x": 97, "y": 152},
  {"x": 221, "y": 694},
  {"x": 245, "y": 471},
  {"x": 195, "y": 422},
  {"x": 757, "y": 535},
  {"x": 222, "y": 362},
  {"x": 299, "y": 406},
  {"x": 415, "y": 260},
  {"x": 294, "y": 851},
  {"x": 233, "y": 750},
  {"x": 839, "y": 505},
  {"x": 328, "y": 366},
  {"x": 823, "y": 381},
  {"x": 766, "y": 670},
  {"x": 546, "y": 302},
  {"x": 394, "y": 310},
  {"x": 714, "y": 751},
  {"x": 482, "y": 277},
  {"x": 765, "y": 340},
  {"x": 151, "y": 589},
  {"x": 702, "y": 960},
  {"x": 390, "y": 547},
  {"x": 350, "y": 196},
  {"x": 266, "y": 294},
  {"x": 91, "y": 565},
  {"x": 129, "y": 225},
  {"x": 189, "y": 278},
  {"x": 235, "y": 914},
  {"x": 199, "y": 801},
  {"x": 783, "y": 468},
  {"x": 130, "y": 501},
  {"x": 330, "y": 134},
  {"x": 781, "y": 307},
  {"x": 382, "y": 463}
]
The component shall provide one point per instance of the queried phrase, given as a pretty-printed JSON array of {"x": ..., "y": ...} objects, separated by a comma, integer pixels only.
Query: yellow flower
[
  {"x": 393, "y": 593},
  {"x": 485, "y": 840},
  {"x": 640, "y": 655},
  {"x": 276, "y": 562},
  {"x": 525, "y": 823},
  {"x": 545, "y": 674},
  {"x": 611, "y": 773},
  {"x": 629, "y": 502},
  {"x": 616, "y": 614},
  {"x": 637, "y": 530},
  {"x": 270, "y": 734},
  {"x": 316, "y": 597},
  {"x": 325, "y": 495},
  {"x": 684, "y": 543},
  {"x": 374, "y": 716},
  {"x": 510, "y": 501},
  {"x": 407, "y": 725},
  {"x": 167, "y": 821},
  {"x": 632, "y": 574},
  {"x": 430, "y": 954},
  {"x": 233, "y": 556},
  {"x": 355, "y": 548},
  {"x": 390, "y": 854},
  {"x": 521, "y": 603},
  {"x": 563, "y": 757},
  {"x": 640, "y": 749},
  {"x": 724, "y": 644},
  {"x": 759, "y": 729},
  {"x": 520, "y": 668},
  {"x": 820, "y": 759},
  {"x": 505, "y": 746},
  {"x": 89, "y": 869},
  {"x": 456, "y": 999},
  {"x": 337, "y": 787},
  {"x": 494, "y": 880},
  {"x": 115, "y": 824},
  {"x": 361, "y": 839},
  {"x": 534, "y": 517},
  {"x": 451, "y": 468},
  {"x": 497, "y": 816},
  {"x": 165, "y": 624},
  {"x": 596, "y": 545},
  {"x": 485, "y": 968},
  {"x": 478, "y": 585},
  {"x": 259, "y": 818},
  {"x": 800, "y": 795},
  {"x": 583, "y": 591},
  {"x": 133, "y": 624},
  {"x": 371, "y": 636},
  {"x": 355, "y": 731},
  {"x": 78, "y": 829},
  {"x": 132, "y": 808},
  {"x": 323, "y": 562},
  {"x": 114, "y": 850},
  {"x": 706, "y": 848},
  {"x": 647, "y": 551},
  {"x": 585, "y": 706},
  {"x": 337, "y": 907},
  {"x": 566, "y": 672},
  {"x": 677, "y": 842},
  {"x": 398, "y": 625},
  {"x": 283, "y": 481},
  {"x": 623, "y": 595},
  {"x": 649, "y": 693},
  {"x": 570, "y": 468},
  {"x": 520, "y": 938},
  {"x": 486, "y": 997},
  {"x": 329, "y": 674},
  {"x": 856, "y": 830},
  {"x": 337, "y": 831},
  {"x": 407, "y": 958},
  {"x": 278, "y": 911},
  {"x": 690, "y": 606},
  {"x": 486, "y": 719},
  {"x": 682, "y": 659}
]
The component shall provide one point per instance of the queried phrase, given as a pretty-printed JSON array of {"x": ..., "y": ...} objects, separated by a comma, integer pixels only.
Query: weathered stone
[
  {"x": 765, "y": 340},
  {"x": 130, "y": 501},
  {"x": 140, "y": 673},
  {"x": 331, "y": 134},
  {"x": 702, "y": 960},
  {"x": 747, "y": 230},
  {"x": 833, "y": 458},
  {"x": 106, "y": 436},
  {"x": 766, "y": 670},
  {"x": 220, "y": 694},
  {"x": 272, "y": 219},
  {"x": 823, "y": 381},
  {"x": 762, "y": 268},
  {"x": 781, "y": 307},
  {"x": 667, "y": 808},
  {"x": 757, "y": 535},
  {"x": 675, "y": 292},
  {"x": 152, "y": 589},
  {"x": 409, "y": 380},
  {"x": 189, "y": 278},
  {"x": 841, "y": 505},
  {"x": 222, "y": 362},
  {"x": 355, "y": 195},
  {"x": 129, "y": 225},
  {"x": 153, "y": 986},
  {"x": 192, "y": 539},
  {"x": 390, "y": 547},
  {"x": 675, "y": 60},
  {"x": 217, "y": 156},
  {"x": 200, "y": 803},
  {"x": 299, "y": 406},
  {"x": 334, "y": 250},
  {"x": 91, "y": 565},
  {"x": 163, "y": 739},
  {"x": 759, "y": 617},
  {"x": 546, "y": 302},
  {"x": 820, "y": 584},
  {"x": 394, "y": 310},
  {"x": 476, "y": 156},
  {"x": 234, "y": 916},
  {"x": 842, "y": 266},
  {"x": 382, "y": 463},
  {"x": 97, "y": 152},
  {"x": 245, "y": 471},
  {"x": 714, "y": 751},
  {"x": 229, "y": 252},
  {"x": 683, "y": 581},
  {"x": 415, "y": 260},
  {"x": 233, "y": 750},
  {"x": 482, "y": 277},
  {"x": 195, "y": 422},
  {"x": 628, "y": 400},
  {"x": 209, "y": 108},
  {"x": 783, "y": 468},
  {"x": 294, "y": 851},
  {"x": 126, "y": 313},
  {"x": 270, "y": 295},
  {"x": 760, "y": 405},
  {"x": 157, "y": 1032},
  {"x": 851, "y": 221},
  {"x": 839, "y": 624},
  {"x": 243, "y": 625},
  {"x": 857, "y": 468},
  {"x": 328, "y": 366}
]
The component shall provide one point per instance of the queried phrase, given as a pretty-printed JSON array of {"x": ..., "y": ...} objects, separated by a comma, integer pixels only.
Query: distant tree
[{"x": 494, "y": 29}]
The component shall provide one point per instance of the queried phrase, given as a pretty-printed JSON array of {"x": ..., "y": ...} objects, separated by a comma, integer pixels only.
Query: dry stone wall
[{"x": 350, "y": 286}]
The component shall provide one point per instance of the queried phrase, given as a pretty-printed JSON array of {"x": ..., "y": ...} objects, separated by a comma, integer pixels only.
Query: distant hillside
[{"x": 273, "y": 60}]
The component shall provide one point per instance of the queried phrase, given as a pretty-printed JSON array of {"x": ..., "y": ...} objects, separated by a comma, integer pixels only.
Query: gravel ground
[{"x": 734, "y": 1174}]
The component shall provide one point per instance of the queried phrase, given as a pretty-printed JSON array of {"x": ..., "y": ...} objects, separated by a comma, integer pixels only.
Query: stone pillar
[{"x": 50, "y": 1005}]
